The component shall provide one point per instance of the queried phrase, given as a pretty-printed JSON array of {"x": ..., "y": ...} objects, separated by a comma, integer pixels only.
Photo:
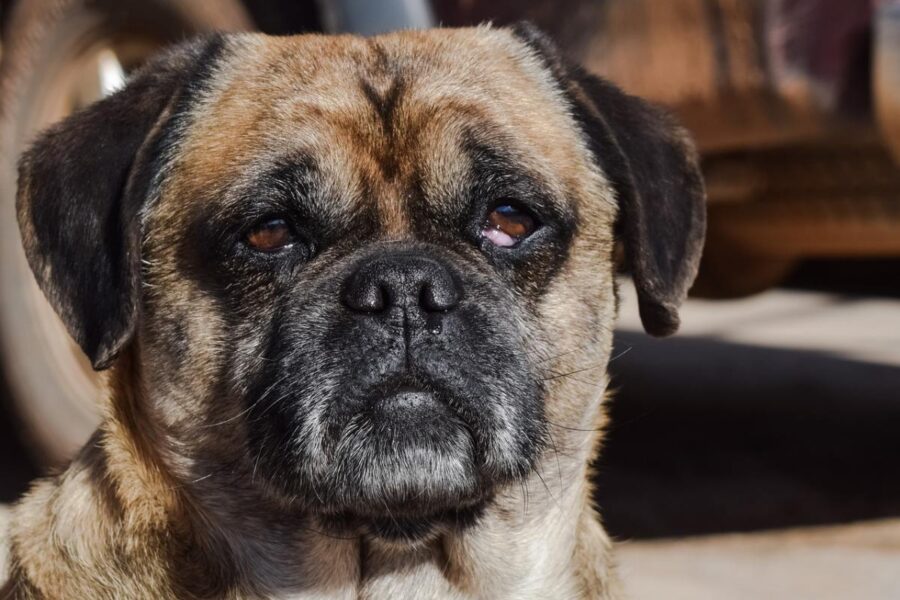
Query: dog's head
[{"x": 358, "y": 273}]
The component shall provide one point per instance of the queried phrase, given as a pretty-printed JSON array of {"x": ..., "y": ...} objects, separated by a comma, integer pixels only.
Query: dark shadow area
[
  {"x": 284, "y": 17},
  {"x": 861, "y": 277},
  {"x": 16, "y": 466},
  {"x": 708, "y": 436}
]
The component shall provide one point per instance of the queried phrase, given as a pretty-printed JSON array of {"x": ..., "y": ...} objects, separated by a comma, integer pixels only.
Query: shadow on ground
[{"x": 708, "y": 436}]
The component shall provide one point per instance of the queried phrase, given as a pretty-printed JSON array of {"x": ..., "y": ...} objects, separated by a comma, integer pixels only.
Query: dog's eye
[
  {"x": 270, "y": 236},
  {"x": 508, "y": 224}
]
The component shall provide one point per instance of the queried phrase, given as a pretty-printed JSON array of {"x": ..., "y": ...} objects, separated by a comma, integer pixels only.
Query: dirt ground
[{"x": 836, "y": 562}]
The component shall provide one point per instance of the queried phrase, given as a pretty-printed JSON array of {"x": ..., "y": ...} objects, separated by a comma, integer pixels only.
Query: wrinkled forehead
[{"x": 381, "y": 120}]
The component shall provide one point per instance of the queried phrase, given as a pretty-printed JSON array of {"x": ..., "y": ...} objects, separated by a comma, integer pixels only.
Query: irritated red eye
[
  {"x": 507, "y": 225},
  {"x": 270, "y": 236}
]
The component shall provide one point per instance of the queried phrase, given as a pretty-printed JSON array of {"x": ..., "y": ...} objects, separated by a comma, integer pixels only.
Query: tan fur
[{"x": 137, "y": 515}]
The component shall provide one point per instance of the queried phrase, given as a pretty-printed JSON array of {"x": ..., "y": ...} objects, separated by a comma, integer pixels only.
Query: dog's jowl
[{"x": 356, "y": 298}]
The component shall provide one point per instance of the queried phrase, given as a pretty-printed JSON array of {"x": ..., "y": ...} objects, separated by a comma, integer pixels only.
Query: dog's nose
[{"x": 403, "y": 280}]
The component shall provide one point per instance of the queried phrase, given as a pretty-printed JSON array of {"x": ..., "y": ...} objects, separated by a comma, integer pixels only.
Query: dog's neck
[
  {"x": 533, "y": 543},
  {"x": 539, "y": 539}
]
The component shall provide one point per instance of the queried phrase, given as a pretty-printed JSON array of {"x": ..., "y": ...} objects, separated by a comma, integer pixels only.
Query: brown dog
[{"x": 357, "y": 296}]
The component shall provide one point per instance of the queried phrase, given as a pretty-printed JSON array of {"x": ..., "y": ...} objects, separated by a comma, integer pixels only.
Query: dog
[{"x": 356, "y": 299}]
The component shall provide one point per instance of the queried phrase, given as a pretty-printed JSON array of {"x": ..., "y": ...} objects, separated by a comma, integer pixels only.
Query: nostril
[
  {"x": 366, "y": 294},
  {"x": 385, "y": 297},
  {"x": 438, "y": 296},
  {"x": 426, "y": 298}
]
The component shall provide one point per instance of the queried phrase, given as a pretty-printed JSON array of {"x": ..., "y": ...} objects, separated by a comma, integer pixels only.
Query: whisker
[
  {"x": 573, "y": 428},
  {"x": 575, "y": 372},
  {"x": 561, "y": 354},
  {"x": 524, "y": 485},
  {"x": 621, "y": 354},
  {"x": 248, "y": 409},
  {"x": 556, "y": 454},
  {"x": 546, "y": 487}
]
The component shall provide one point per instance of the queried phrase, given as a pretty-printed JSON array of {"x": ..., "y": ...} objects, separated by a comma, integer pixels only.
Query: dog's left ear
[
  {"x": 652, "y": 165},
  {"x": 82, "y": 187}
]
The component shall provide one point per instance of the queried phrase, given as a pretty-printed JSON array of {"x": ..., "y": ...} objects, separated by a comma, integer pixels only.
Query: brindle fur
[{"x": 382, "y": 141}]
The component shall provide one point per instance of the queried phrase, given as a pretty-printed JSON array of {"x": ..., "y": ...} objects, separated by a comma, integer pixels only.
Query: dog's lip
[
  {"x": 409, "y": 398},
  {"x": 403, "y": 389},
  {"x": 409, "y": 402}
]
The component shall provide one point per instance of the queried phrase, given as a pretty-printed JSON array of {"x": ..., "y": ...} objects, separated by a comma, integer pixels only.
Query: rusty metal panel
[
  {"x": 887, "y": 75},
  {"x": 740, "y": 73}
]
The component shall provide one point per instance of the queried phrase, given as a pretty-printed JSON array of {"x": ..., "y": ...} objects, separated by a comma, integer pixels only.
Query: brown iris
[
  {"x": 270, "y": 236},
  {"x": 507, "y": 225}
]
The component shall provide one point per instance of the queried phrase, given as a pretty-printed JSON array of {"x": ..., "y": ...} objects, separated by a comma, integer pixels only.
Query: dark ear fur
[
  {"x": 82, "y": 186},
  {"x": 651, "y": 162}
]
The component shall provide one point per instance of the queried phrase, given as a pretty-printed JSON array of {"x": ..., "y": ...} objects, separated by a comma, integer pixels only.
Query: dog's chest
[{"x": 381, "y": 573}]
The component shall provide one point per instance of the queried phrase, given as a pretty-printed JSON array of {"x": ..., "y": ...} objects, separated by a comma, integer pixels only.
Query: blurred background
[{"x": 756, "y": 454}]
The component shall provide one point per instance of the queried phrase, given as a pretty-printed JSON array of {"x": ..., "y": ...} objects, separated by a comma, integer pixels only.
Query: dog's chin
[
  {"x": 406, "y": 456},
  {"x": 403, "y": 466}
]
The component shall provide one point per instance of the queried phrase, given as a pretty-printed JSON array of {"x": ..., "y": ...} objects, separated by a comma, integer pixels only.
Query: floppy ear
[
  {"x": 82, "y": 186},
  {"x": 651, "y": 163}
]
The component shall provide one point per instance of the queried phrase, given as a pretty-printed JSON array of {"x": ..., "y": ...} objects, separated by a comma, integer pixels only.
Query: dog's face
[{"x": 354, "y": 272}]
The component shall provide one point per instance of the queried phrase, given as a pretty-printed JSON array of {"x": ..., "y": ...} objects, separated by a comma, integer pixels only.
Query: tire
[
  {"x": 52, "y": 63},
  {"x": 727, "y": 272}
]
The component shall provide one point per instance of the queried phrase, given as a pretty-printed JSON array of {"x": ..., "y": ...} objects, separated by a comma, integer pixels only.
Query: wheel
[
  {"x": 737, "y": 259},
  {"x": 58, "y": 56},
  {"x": 728, "y": 272}
]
